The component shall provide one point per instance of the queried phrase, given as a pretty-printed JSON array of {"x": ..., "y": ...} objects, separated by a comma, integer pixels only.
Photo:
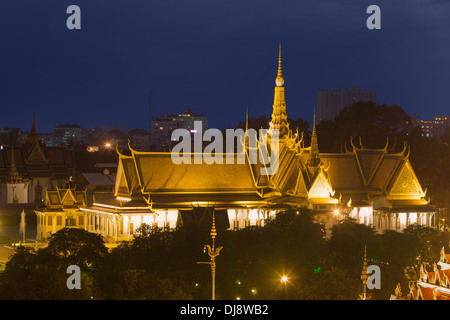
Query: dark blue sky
[{"x": 216, "y": 56}]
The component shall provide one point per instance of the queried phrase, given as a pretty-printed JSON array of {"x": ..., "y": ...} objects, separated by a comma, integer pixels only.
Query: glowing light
[
  {"x": 123, "y": 199},
  {"x": 336, "y": 212},
  {"x": 108, "y": 145},
  {"x": 284, "y": 279}
]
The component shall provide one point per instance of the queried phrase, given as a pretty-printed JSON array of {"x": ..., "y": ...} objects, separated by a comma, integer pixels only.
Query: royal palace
[{"x": 373, "y": 186}]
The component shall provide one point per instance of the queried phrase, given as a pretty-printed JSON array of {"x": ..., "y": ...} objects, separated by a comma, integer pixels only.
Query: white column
[{"x": 54, "y": 224}]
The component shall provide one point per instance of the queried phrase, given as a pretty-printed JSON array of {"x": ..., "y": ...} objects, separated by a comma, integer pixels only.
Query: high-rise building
[
  {"x": 432, "y": 128},
  {"x": 163, "y": 127},
  {"x": 331, "y": 102},
  {"x": 64, "y": 135}
]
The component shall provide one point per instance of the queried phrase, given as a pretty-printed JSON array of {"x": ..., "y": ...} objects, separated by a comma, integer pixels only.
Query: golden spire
[
  {"x": 279, "y": 120},
  {"x": 14, "y": 176},
  {"x": 33, "y": 132},
  {"x": 246, "y": 137},
  {"x": 279, "y": 80},
  {"x": 314, "y": 158},
  {"x": 246, "y": 120}
]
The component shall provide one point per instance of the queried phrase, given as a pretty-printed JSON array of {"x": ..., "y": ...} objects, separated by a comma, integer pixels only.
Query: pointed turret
[
  {"x": 246, "y": 120},
  {"x": 33, "y": 135},
  {"x": 246, "y": 137},
  {"x": 279, "y": 80},
  {"x": 314, "y": 158},
  {"x": 14, "y": 176},
  {"x": 279, "y": 119}
]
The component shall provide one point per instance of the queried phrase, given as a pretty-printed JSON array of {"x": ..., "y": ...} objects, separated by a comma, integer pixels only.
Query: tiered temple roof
[
  {"x": 33, "y": 159},
  {"x": 354, "y": 178}
]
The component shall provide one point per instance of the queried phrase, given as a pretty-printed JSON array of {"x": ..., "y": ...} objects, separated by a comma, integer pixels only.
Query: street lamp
[
  {"x": 213, "y": 253},
  {"x": 364, "y": 276},
  {"x": 284, "y": 279}
]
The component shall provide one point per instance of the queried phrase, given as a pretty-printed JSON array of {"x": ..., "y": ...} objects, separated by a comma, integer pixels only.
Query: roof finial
[
  {"x": 33, "y": 132},
  {"x": 314, "y": 159},
  {"x": 246, "y": 120},
  {"x": 14, "y": 176},
  {"x": 279, "y": 80}
]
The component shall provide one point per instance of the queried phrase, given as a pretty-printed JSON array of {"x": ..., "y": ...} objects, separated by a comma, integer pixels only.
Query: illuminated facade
[
  {"x": 62, "y": 209},
  {"x": 374, "y": 187}
]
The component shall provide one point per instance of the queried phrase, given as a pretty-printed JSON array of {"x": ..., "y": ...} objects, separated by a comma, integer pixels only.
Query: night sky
[{"x": 215, "y": 56}]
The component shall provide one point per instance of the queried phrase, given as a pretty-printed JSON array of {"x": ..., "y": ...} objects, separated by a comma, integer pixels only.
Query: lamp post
[
  {"x": 213, "y": 253},
  {"x": 364, "y": 276}
]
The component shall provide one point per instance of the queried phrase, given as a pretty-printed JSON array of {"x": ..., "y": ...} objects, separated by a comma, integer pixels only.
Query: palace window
[
  {"x": 80, "y": 220},
  {"x": 49, "y": 220},
  {"x": 70, "y": 222},
  {"x": 58, "y": 220}
]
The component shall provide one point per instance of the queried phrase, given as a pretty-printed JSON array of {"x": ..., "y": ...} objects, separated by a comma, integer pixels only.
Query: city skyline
[{"x": 124, "y": 51}]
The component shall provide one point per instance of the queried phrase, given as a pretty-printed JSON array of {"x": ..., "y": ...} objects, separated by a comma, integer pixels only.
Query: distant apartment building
[
  {"x": 331, "y": 102},
  {"x": 64, "y": 135},
  {"x": 163, "y": 127},
  {"x": 432, "y": 128}
]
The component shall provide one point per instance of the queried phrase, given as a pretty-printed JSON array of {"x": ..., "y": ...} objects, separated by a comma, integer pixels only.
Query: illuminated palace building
[{"x": 374, "y": 187}]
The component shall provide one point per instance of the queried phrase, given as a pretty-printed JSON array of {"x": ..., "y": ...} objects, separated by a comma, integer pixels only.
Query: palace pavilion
[{"x": 373, "y": 186}]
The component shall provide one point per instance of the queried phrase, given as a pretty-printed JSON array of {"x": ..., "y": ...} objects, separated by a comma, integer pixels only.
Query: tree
[
  {"x": 31, "y": 274},
  {"x": 368, "y": 121},
  {"x": 76, "y": 246},
  {"x": 348, "y": 242}
]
